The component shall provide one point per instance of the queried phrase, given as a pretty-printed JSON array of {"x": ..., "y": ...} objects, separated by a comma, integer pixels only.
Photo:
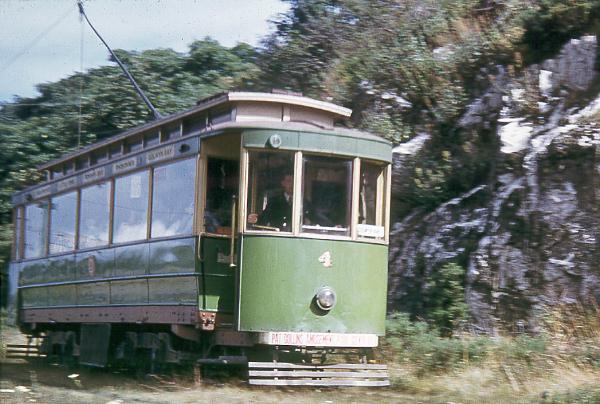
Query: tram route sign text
[
  {"x": 160, "y": 154},
  {"x": 124, "y": 165}
]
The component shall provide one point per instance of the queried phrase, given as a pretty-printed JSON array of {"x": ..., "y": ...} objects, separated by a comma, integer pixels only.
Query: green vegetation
[{"x": 528, "y": 367}]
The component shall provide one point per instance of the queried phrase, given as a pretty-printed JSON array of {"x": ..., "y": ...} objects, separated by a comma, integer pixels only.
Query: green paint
[
  {"x": 160, "y": 257},
  {"x": 280, "y": 275},
  {"x": 369, "y": 147},
  {"x": 102, "y": 266},
  {"x": 131, "y": 260},
  {"x": 129, "y": 292},
  {"x": 173, "y": 290},
  {"x": 97, "y": 293},
  {"x": 218, "y": 278},
  {"x": 172, "y": 256}
]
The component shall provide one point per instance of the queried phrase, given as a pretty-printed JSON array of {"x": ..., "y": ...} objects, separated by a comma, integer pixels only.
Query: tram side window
[
  {"x": 131, "y": 207},
  {"x": 221, "y": 185},
  {"x": 94, "y": 215},
  {"x": 326, "y": 198},
  {"x": 371, "y": 201},
  {"x": 36, "y": 229},
  {"x": 173, "y": 199},
  {"x": 62, "y": 223},
  {"x": 270, "y": 191}
]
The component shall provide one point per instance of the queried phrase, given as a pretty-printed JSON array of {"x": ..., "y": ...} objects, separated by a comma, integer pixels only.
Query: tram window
[
  {"x": 17, "y": 235},
  {"x": 62, "y": 223},
  {"x": 193, "y": 125},
  {"x": 221, "y": 186},
  {"x": 94, "y": 215},
  {"x": 36, "y": 229},
  {"x": 173, "y": 198},
  {"x": 151, "y": 139},
  {"x": 270, "y": 191},
  {"x": 327, "y": 196},
  {"x": 68, "y": 168},
  {"x": 220, "y": 116},
  {"x": 56, "y": 172},
  {"x": 171, "y": 132},
  {"x": 133, "y": 145},
  {"x": 370, "y": 201},
  {"x": 131, "y": 207},
  {"x": 81, "y": 163},
  {"x": 99, "y": 157},
  {"x": 116, "y": 151}
]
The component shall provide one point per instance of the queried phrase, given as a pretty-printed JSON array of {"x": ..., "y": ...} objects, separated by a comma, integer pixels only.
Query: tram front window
[
  {"x": 270, "y": 191},
  {"x": 326, "y": 198},
  {"x": 371, "y": 201}
]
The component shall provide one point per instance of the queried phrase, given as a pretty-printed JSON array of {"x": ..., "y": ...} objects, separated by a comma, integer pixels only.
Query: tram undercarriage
[{"x": 154, "y": 349}]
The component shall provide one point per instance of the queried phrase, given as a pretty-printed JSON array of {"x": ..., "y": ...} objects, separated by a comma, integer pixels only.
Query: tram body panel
[{"x": 279, "y": 277}]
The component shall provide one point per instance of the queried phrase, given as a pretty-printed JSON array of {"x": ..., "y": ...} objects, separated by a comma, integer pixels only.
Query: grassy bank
[{"x": 560, "y": 362}]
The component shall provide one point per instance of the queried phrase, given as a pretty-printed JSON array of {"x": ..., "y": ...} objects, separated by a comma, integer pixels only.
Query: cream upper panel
[{"x": 252, "y": 111}]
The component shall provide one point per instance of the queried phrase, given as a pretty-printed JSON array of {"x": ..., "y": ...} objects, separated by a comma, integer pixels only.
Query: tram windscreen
[
  {"x": 371, "y": 201},
  {"x": 327, "y": 192},
  {"x": 270, "y": 191}
]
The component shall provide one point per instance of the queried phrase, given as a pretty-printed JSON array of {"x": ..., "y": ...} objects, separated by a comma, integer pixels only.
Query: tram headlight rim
[{"x": 325, "y": 298}]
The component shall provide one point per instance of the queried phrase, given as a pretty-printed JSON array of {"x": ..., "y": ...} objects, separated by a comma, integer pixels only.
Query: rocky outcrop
[{"x": 529, "y": 237}]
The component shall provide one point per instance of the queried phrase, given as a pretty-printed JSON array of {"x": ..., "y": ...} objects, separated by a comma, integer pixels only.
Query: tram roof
[{"x": 331, "y": 111}]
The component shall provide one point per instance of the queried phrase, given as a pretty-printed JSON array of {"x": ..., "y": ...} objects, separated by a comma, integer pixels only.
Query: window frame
[
  {"x": 195, "y": 160},
  {"x": 149, "y": 170},
  {"x": 351, "y": 224},
  {"x": 77, "y": 192},
  {"x": 381, "y": 200},
  {"x": 17, "y": 244},
  {"x": 245, "y": 161},
  {"x": 44, "y": 252},
  {"x": 111, "y": 184},
  {"x": 382, "y": 204}
]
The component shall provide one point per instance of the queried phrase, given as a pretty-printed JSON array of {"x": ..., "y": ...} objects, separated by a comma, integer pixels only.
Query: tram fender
[{"x": 95, "y": 340}]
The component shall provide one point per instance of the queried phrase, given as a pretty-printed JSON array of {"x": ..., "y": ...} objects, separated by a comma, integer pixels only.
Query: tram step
[
  {"x": 291, "y": 374},
  {"x": 22, "y": 351}
]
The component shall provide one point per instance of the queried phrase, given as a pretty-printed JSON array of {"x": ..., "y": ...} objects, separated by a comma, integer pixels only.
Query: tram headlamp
[{"x": 325, "y": 298}]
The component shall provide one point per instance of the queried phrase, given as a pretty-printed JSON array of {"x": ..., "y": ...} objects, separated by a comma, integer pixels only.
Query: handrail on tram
[{"x": 232, "y": 245}]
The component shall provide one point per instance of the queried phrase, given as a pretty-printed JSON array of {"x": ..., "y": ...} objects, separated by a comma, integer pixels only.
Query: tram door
[{"x": 220, "y": 184}]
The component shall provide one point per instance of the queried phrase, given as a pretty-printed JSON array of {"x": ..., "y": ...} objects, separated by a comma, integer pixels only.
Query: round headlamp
[{"x": 325, "y": 298}]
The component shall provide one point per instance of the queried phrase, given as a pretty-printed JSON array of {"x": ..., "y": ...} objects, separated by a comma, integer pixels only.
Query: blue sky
[{"x": 40, "y": 40}]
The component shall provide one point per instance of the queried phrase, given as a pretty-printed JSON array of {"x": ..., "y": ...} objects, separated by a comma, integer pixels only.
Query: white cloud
[{"x": 124, "y": 24}]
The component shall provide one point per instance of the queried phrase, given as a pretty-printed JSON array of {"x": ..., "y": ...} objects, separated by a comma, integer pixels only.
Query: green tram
[{"x": 247, "y": 229}]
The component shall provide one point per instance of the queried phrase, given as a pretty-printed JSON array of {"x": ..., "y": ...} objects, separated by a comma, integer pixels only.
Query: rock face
[{"x": 529, "y": 237}]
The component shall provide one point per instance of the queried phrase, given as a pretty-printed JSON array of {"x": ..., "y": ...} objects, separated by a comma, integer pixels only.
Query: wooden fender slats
[
  {"x": 23, "y": 351},
  {"x": 289, "y": 374}
]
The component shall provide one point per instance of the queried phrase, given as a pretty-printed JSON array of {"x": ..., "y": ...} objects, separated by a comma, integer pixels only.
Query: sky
[{"x": 41, "y": 40}]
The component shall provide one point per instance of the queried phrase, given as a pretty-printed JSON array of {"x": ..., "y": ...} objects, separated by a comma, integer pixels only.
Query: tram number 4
[{"x": 326, "y": 260}]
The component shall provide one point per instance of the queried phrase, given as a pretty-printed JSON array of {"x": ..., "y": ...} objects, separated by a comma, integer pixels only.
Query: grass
[{"x": 559, "y": 363}]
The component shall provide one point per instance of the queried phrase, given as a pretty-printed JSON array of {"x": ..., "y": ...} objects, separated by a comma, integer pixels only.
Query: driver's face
[{"x": 287, "y": 183}]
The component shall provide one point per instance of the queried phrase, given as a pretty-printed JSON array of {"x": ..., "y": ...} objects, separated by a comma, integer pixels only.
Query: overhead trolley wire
[{"x": 35, "y": 40}]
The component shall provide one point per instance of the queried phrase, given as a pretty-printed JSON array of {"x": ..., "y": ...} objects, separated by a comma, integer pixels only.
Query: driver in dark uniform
[{"x": 278, "y": 212}]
